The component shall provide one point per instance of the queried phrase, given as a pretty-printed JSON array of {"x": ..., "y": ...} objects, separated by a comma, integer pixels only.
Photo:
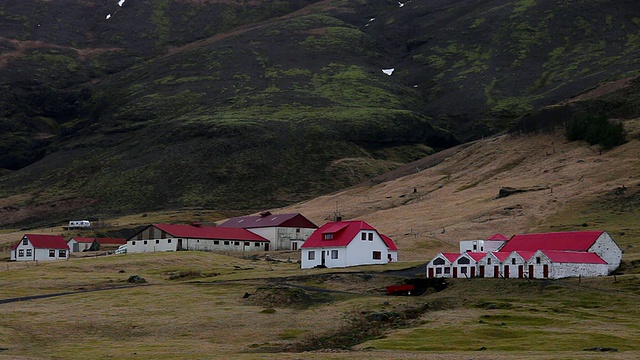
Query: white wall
[
  {"x": 151, "y": 245},
  {"x": 357, "y": 252},
  {"x": 281, "y": 237},
  {"x": 563, "y": 270},
  {"x": 37, "y": 254},
  {"x": 442, "y": 273},
  {"x": 608, "y": 250}
]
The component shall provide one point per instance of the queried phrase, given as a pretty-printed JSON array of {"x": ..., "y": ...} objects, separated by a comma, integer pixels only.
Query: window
[
  {"x": 246, "y": 243},
  {"x": 29, "y": 252},
  {"x": 513, "y": 261},
  {"x": 328, "y": 236},
  {"x": 463, "y": 270},
  {"x": 25, "y": 241},
  {"x": 52, "y": 253},
  {"x": 475, "y": 247},
  {"x": 62, "y": 253},
  {"x": 364, "y": 236},
  {"x": 157, "y": 241},
  {"x": 370, "y": 236},
  {"x": 447, "y": 270},
  {"x": 145, "y": 242},
  {"x": 463, "y": 260},
  {"x": 438, "y": 261},
  {"x": 488, "y": 261},
  {"x": 294, "y": 246},
  {"x": 438, "y": 271},
  {"x": 312, "y": 255},
  {"x": 169, "y": 241},
  {"x": 236, "y": 243},
  {"x": 21, "y": 252},
  {"x": 257, "y": 244},
  {"x": 216, "y": 242},
  {"x": 133, "y": 243},
  {"x": 538, "y": 260},
  {"x": 334, "y": 254},
  {"x": 226, "y": 243},
  {"x": 297, "y": 231},
  {"x": 377, "y": 255}
]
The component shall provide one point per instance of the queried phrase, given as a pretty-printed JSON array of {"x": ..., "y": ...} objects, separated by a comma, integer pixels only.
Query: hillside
[{"x": 109, "y": 110}]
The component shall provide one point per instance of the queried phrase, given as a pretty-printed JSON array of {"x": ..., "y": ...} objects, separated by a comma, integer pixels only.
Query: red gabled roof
[
  {"x": 269, "y": 220},
  {"x": 501, "y": 255},
  {"x": 44, "y": 242},
  {"x": 573, "y": 257},
  {"x": 526, "y": 255},
  {"x": 390, "y": 244},
  {"x": 111, "y": 241},
  {"x": 343, "y": 232},
  {"x": 560, "y": 241},
  {"x": 498, "y": 237},
  {"x": 451, "y": 256},
  {"x": 208, "y": 232},
  {"x": 476, "y": 255},
  {"x": 82, "y": 239}
]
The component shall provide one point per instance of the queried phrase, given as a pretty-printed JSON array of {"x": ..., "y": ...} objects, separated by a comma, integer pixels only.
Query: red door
[
  {"x": 481, "y": 271},
  {"x": 455, "y": 272},
  {"x": 520, "y": 271},
  {"x": 430, "y": 272},
  {"x": 545, "y": 271},
  {"x": 530, "y": 271},
  {"x": 473, "y": 271},
  {"x": 496, "y": 271},
  {"x": 506, "y": 271}
]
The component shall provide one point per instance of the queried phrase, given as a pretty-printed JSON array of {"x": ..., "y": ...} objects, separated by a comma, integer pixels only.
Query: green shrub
[{"x": 595, "y": 129}]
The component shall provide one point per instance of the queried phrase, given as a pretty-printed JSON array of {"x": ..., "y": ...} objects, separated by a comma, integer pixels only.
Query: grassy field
[{"x": 202, "y": 305}]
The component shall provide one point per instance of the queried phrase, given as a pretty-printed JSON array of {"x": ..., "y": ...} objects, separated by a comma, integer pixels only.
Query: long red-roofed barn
[
  {"x": 284, "y": 231},
  {"x": 538, "y": 256},
  {"x": 38, "y": 247},
  {"x": 169, "y": 237},
  {"x": 347, "y": 243}
]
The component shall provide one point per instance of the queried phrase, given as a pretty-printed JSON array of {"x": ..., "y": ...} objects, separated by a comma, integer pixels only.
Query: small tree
[{"x": 595, "y": 129}]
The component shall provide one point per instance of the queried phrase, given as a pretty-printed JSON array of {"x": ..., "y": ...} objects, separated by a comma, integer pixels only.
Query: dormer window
[
  {"x": 25, "y": 241},
  {"x": 363, "y": 236},
  {"x": 328, "y": 236}
]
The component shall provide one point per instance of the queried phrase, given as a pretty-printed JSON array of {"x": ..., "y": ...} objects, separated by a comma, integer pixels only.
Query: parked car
[{"x": 122, "y": 249}]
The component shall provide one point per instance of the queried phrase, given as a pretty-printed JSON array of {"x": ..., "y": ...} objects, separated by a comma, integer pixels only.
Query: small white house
[
  {"x": 79, "y": 244},
  {"x": 347, "y": 243},
  {"x": 515, "y": 265},
  {"x": 441, "y": 265},
  {"x": 284, "y": 231},
  {"x": 37, "y": 247},
  {"x": 168, "y": 237}
]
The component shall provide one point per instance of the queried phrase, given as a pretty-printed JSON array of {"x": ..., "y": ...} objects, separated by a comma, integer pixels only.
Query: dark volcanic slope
[{"x": 232, "y": 104}]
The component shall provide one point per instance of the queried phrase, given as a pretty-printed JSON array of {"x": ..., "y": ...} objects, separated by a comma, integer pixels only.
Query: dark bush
[{"x": 595, "y": 129}]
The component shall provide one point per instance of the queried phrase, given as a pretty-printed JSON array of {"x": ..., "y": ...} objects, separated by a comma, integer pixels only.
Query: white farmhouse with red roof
[
  {"x": 347, "y": 243},
  {"x": 167, "y": 237},
  {"x": 284, "y": 231},
  {"x": 537, "y": 256},
  {"x": 37, "y": 247}
]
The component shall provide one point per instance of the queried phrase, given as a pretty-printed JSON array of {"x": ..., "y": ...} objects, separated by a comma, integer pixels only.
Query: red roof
[
  {"x": 390, "y": 244},
  {"x": 498, "y": 237},
  {"x": 476, "y": 255},
  {"x": 207, "y": 232},
  {"x": 451, "y": 256},
  {"x": 502, "y": 256},
  {"x": 111, "y": 241},
  {"x": 44, "y": 242},
  {"x": 526, "y": 255},
  {"x": 343, "y": 232},
  {"x": 561, "y": 241},
  {"x": 573, "y": 257},
  {"x": 267, "y": 219}
]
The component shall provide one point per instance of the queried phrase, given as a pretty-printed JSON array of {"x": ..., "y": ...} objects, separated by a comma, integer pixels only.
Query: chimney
[
  {"x": 338, "y": 218},
  {"x": 265, "y": 213},
  {"x": 196, "y": 224}
]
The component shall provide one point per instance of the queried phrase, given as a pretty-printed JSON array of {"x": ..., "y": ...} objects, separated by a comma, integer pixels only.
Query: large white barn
[
  {"x": 37, "y": 247},
  {"x": 347, "y": 243},
  {"x": 168, "y": 237},
  {"x": 284, "y": 231},
  {"x": 536, "y": 256}
]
